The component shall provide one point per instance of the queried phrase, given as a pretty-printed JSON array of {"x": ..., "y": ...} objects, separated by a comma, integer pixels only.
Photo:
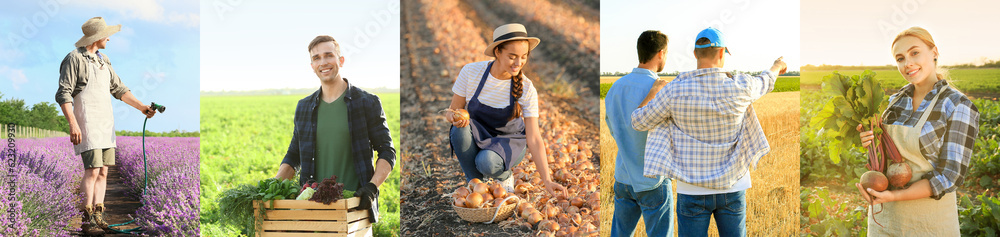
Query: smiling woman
[{"x": 947, "y": 127}]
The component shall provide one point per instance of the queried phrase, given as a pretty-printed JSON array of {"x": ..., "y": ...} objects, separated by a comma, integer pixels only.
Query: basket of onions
[{"x": 486, "y": 202}]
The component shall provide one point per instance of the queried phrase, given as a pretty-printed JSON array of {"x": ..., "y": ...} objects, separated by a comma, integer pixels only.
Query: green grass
[
  {"x": 786, "y": 84},
  {"x": 986, "y": 80},
  {"x": 244, "y": 139},
  {"x": 604, "y": 89},
  {"x": 790, "y": 83}
]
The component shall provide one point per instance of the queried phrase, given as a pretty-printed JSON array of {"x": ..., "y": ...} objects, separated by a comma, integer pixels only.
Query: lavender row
[
  {"x": 171, "y": 203},
  {"x": 46, "y": 174}
]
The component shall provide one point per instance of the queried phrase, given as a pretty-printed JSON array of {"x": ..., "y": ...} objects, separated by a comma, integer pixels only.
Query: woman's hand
[
  {"x": 450, "y": 116},
  {"x": 876, "y": 197},
  {"x": 866, "y": 136},
  {"x": 552, "y": 187}
]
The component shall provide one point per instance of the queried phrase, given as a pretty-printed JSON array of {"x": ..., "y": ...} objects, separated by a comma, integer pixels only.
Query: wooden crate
[{"x": 307, "y": 218}]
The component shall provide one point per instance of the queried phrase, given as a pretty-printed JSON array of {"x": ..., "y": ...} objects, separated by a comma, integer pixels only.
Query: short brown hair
[
  {"x": 323, "y": 39},
  {"x": 650, "y": 43},
  {"x": 705, "y": 52}
]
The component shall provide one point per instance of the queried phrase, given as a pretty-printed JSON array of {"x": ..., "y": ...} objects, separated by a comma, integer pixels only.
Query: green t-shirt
[{"x": 333, "y": 144}]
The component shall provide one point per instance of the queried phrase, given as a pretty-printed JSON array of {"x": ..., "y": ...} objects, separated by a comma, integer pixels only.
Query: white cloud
[
  {"x": 147, "y": 10},
  {"x": 16, "y": 76}
]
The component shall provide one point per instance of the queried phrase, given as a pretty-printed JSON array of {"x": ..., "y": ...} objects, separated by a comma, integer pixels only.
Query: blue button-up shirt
[
  {"x": 625, "y": 96},
  {"x": 703, "y": 130}
]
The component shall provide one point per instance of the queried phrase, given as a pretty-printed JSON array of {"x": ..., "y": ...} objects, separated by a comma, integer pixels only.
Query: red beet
[
  {"x": 899, "y": 174},
  {"x": 874, "y": 180}
]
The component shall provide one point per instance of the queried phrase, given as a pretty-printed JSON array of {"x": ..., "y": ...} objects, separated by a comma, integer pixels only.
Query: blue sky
[
  {"x": 758, "y": 32},
  {"x": 253, "y": 45},
  {"x": 863, "y": 35},
  {"x": 156, "y": 54}
]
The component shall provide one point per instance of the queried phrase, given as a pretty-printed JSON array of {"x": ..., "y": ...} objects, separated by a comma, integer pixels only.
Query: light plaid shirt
[
  {"x": 949, "y": 135},
  {"x": 704, "y": 129}
]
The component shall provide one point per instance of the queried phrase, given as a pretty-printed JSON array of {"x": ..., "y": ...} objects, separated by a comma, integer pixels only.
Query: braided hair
[{"x": 516, "y": 83}]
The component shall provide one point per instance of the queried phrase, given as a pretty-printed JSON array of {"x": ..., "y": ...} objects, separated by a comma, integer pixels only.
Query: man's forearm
[
  {"x": 67, "y": 109},
  {"x": 286, "y": 171},
  {"x": 382, "y": 170},
  {"x": 130, "y": 99}
]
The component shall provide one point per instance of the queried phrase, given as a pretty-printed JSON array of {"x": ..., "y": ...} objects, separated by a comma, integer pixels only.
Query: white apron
[
  {"x": 92, "y": 108},
  {"x": 920, "y": 217}
]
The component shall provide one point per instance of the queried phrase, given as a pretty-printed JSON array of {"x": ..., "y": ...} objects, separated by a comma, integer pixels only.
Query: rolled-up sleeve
[
  {"x": 758, "y": 86},
  {"x": 68, "y": 74},
  {"x": 378, "y": 132},
  {"x": 956, "y": 152},
  {"x": 655, "y": 112}
]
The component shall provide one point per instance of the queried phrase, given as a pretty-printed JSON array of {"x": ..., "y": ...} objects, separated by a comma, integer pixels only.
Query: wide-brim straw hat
[
  {"x": 508, "y": 32},
  {"x": 95, "y": 29}
]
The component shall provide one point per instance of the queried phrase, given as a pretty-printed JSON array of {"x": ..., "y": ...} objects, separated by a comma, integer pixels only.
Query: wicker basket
[
  {"x": 308, "y": 218},
  {"x": 485, "y": 214}
]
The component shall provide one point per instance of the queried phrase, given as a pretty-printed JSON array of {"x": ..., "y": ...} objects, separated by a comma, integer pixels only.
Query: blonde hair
[{"x": 925, "y": 36}]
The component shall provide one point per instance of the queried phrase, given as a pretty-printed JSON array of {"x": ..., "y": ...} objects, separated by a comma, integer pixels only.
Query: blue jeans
[
  {"x": 478, "y": 163},
  {"x": 695, "y": 211},
  {"x": 655, "y": 205}
]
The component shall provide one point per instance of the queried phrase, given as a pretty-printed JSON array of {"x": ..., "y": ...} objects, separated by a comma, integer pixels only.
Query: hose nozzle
[{"x": 158, "y": 108}]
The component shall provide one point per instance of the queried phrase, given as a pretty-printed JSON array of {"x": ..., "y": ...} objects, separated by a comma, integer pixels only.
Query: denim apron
[
  {"x": 920, "y": 217},
  {"x": 491, "y": 128}
]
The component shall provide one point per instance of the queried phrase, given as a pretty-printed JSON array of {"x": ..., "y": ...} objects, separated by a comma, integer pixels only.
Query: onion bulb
[{"x": 474, "y": 200}]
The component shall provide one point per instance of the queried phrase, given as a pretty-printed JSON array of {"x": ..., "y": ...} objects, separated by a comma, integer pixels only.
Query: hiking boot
[
  {"x": 99, "y": 217},
  {"x": 87, "y": 225}
]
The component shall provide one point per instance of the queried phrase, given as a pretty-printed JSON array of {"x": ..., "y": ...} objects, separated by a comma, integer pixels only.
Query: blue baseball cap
[{"x": 713, "y": 35}]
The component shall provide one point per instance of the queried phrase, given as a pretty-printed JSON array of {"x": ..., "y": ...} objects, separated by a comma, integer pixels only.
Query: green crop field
[
  {"x": 830, "y": 204},
  {"x": 244, "y": 139},
  {"x": 986, "y": 80}
]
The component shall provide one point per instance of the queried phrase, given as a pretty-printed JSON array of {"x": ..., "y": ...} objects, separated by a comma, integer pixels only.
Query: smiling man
[{"x": 336, "y": 130}]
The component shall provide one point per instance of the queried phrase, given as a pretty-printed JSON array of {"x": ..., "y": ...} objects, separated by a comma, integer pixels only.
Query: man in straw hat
[
  {"x": 336, "y": 130},
  {"x": 705, "y": 134},
  {"x": 86, "y": 78},
  {"x": 635, "y": 195}
]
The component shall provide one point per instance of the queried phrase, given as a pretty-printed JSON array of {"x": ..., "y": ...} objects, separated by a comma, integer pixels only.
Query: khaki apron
[
  {"x": 920, "y": 217},
  {"x": 92, "y": 108}
]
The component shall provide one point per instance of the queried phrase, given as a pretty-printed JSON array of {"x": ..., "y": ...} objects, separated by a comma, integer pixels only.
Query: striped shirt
[
  {"x": 703, "y": 128},
  {"x": 948, "y": 136},
  {"x": 496, "y": 92}
]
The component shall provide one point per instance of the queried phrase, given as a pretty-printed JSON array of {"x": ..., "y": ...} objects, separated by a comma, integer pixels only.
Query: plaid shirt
[
  {"x": 947, "y": 138},
  {"x": 704, "y": 129},
  {"x": 369, "y": 131}
]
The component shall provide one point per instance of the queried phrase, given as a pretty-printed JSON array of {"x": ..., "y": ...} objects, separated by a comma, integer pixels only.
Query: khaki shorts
[{"x": 98, "y": 158}]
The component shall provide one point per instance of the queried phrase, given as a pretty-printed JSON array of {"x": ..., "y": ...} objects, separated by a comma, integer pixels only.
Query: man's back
[
  {"x": 702, "y": 128},
  {"x": 625, "y": 96}
]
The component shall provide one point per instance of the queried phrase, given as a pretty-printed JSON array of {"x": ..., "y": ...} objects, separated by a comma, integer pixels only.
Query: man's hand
[
  {"x": 75, "y": 135},
  {"x": 657, "y": 86},
  {"x": 779, "y": 66},
  {"x": 146, "y": 110},
  {"x": 368, "y": 194}
]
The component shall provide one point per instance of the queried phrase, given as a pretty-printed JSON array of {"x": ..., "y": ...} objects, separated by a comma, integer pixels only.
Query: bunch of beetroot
[
  {"x": 881, "y": 150},
  {"x": 327, "y": 191}
]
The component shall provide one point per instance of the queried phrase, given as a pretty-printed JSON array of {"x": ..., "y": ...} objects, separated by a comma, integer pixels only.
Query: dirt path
[
  {"x": 119, "y": 205},
  {"x": 438, "y": 38}
]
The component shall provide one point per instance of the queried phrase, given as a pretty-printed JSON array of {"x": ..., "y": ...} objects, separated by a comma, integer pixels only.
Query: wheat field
[{"x": 772, "y": 202}]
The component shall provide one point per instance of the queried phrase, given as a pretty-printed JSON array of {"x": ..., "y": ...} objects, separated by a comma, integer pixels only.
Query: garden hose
[{"x": 145, "y": 170}]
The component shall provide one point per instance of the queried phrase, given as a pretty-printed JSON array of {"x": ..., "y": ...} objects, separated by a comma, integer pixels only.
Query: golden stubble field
[{"x": 772, "y": 202}]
